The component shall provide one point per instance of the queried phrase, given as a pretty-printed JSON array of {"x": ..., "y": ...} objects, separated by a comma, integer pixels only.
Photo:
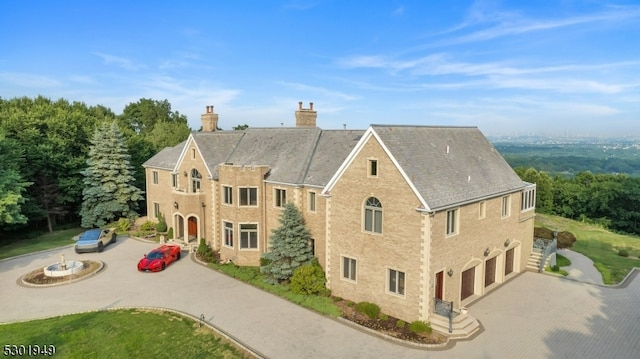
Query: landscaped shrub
[
  {"x": 309, "y": 279},
  {"x": 566, "y": 240},
  {"x": 204, "y": 252},
  {"x": 401, "y": 323},
  {"x": 161, "y": 226},
  {"x": 384, "y": 316},
  {"x": 418, "y": 326},
  {"x": 170, "y": 233},
  {"x": 147, "y": 226},
  {"x": 371, "y": 310},
  {"x": 623, "y": 253},
  {"x": 555, "y": 268},
  {"x": 123, "y": 225}
]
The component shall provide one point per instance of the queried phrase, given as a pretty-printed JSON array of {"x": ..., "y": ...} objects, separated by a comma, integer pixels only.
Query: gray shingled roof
[
  {"x": 166, "y": 158},
  {"x": 216, "y": 147},
  {"x": 471, "y": 169},
  {"x": 287, "y": 151},
  {"x": 332, "y": 149}
]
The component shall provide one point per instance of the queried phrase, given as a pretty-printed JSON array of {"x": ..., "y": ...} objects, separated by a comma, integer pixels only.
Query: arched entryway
[{"x": 192, "y": 229}]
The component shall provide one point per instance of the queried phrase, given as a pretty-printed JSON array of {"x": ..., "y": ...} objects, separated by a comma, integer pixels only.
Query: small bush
[
  {"x": 566, "y": 240},
  {"x": 555, "y": 268},
  {"x": 123, "y": 225},
  {"x": 147, "y": 226},
  {"x": 419, "y": 326},
  {"x": 204, "y": 252},
  {"x": 371, "y": 310},
  {"x": 384, "y": 316},
  {"x": 336, "y": 299},
  {"x": 400, "y": 323},
  {"x": 161, "y": 226},
  {"x": 309, "y": 279},
  {"x": 623, "y": 253},
  {"x": 170, "y": 233}
]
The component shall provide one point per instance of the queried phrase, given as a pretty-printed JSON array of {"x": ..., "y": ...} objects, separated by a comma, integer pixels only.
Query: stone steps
[
  {"x": 463, "y": 325},
  {"x": 533, "y": 263}
]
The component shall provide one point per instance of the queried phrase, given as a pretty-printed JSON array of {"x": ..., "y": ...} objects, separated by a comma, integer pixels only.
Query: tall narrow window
[
  {"x": 348, "y": 268},
  {"x": 280, "y": 197},
  {"x": 174, "y": 180},
  {"x": 248, "y": 196},
  {"x": 248, "y": 236},
  {"x": 396, "y": 282},
  {"x": 156, "y": 209},
  {"x": 505, "y": 206},
  {"x": 373, "y": 215},
  {"x": 373, "y": 168},
  {"x": 312, "y": 201},
  {"x": 228, "y": 234},
  {"x": 227, "y": 193},
  {"x": 193, "y": 153},
  {"x": 155, "y": 177},
  {"x": 482, "y": 211},
  {"x": 195, "y": 180},
  {"x": 452, "y": 222}
]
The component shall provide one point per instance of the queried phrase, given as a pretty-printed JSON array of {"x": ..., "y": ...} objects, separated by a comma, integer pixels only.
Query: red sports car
[{"x": 159, "y": 258}]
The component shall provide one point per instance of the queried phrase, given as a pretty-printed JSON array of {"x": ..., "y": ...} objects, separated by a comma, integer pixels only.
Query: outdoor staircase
[
  {"x": 533, "y": 263},
  {"x": 463, "y": 325}
]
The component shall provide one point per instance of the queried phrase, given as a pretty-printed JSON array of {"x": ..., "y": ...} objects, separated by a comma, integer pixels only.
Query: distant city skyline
[{"x": 510, "y": 68}]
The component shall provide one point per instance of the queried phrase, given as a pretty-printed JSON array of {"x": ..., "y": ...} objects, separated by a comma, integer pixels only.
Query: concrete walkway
[
  {"x": 581, "y": 268},
  {"x": 532, "y": 316}
]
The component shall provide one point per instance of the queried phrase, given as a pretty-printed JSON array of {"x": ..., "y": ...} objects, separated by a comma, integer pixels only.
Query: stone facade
[{"x": 384, "y": 232}]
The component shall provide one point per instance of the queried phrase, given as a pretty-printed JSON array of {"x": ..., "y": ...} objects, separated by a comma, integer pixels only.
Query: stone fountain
[{"x": 63, "y": 268}]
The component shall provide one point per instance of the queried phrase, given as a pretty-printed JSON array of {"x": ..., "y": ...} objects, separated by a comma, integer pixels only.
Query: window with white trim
[
  {"x": 155, "y": 177},
  {"x": 227, "y": 194},
  {"x": 373, "y": 215},
  {"x": 506, "y": 206},
  {"x": 174, "y": 180},
  {"x": 196, "y": 177},
  {"x": 349, "y": 268},
  {"x": 227, "y": 233},
  {"x": 312, "y": 201},
  {"x": 156, "y": 209},
  {"x": 528, "y": 199},
  {"x": 452, "y": 222},
  {"x": 396, "y": 282},
  {"x": 249, "y": 236},
  {"x": 280, "y": 197},
  {"x": 248, "y": 196}
]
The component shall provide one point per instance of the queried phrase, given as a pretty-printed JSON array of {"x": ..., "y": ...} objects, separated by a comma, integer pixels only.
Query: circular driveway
[{"x": 532, "y": 316}]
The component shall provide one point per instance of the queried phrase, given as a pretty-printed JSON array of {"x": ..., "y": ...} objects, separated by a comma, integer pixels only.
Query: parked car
[
  {"x": 94, "y": 240},
  {"x": 159, "y": 258}
]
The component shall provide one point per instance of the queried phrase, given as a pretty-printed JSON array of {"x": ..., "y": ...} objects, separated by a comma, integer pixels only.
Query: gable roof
[
  {"x": 445, "y": 166},
  {"x": 167, "y": 158},
  {"x": 215, "y": 147},
  {"x": 332, "y": 148}
]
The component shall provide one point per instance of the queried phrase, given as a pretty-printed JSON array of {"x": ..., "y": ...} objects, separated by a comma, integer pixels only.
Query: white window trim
[
  {"x": 506, "y": 209},
  {"x": 388, "y": 281},
  {"x": 224, "y": 195},
  {"x": 155, "y": 177},
  {"x": 373, "y": 216},
  {"x": 277, "y": 197},
  {"x": 456, "y": 223},
  {"x": 370, "y": 161},
  {"x": 342, "y": 268},
  {"x": 248, "y": 205},
  {"x": 482, "y": 210},
  {"x": 312, "y": 194},
  {"x": 224, "y": 234},
  {"x": 257, "y": 237}
]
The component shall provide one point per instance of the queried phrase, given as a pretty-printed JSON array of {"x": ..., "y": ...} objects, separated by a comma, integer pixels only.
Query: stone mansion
[{"x": 401, "y": 216}]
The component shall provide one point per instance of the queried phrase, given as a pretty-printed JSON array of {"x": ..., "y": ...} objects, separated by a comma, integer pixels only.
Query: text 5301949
[{"x": 28, "y": 350}]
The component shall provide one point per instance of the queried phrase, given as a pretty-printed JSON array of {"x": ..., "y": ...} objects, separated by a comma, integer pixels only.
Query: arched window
[
  {"x": 373, "y": 215},
  {"x": 195, "y": 180}
]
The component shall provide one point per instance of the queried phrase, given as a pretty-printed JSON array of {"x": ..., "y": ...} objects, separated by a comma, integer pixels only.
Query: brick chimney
[
  {"x": 209, "y": 120},
  {"x": 306, "y": 117}
]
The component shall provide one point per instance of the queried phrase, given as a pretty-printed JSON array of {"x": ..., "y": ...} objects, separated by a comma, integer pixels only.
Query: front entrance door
[
  {"x": 193, "y": 228},
  {"x": 490, "y": 272},
  {"x": 439, "y": 283},
  {"x": 468, "y": 283}
]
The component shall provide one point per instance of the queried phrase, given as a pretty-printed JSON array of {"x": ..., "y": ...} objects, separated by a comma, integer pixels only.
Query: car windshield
[
  {"x": 154, "y": 255},
  {"x": 90, "y": 235}
]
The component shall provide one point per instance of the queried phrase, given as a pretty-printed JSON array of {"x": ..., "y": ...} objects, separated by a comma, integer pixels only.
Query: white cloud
[
  {"x": 119, "y": 61},
  {"x": 28, "y": 80}
]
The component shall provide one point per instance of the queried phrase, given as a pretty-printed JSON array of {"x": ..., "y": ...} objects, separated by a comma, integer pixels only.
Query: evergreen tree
[
  {"x": 109, "y": 192},
  {"x": 290, "y": 247}
]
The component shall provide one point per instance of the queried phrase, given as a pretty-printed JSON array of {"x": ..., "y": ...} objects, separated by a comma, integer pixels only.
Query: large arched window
[
  {"x": 195, "y": 180},
  {"x": 373, "y": 215}
]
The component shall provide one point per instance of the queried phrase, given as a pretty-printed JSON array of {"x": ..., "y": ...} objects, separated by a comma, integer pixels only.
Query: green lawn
[
  {"x": 121, "y": 334},
  {"x": 600, "y": 245},
  {"x": 40, "y": 243}
]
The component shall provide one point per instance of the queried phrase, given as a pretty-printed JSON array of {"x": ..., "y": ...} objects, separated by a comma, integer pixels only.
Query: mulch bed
[
  {"x": 38, "y": 277},
  {"x": 387, "y": 326}
]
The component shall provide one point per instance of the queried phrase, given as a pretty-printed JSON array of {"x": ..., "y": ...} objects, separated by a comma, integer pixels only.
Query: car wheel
[
  {"x": 114, "y": 238},
  {"x": 163, "y": 266},
  {"x": 100, "y": 247},
  {"x": 178, "y": 256}
]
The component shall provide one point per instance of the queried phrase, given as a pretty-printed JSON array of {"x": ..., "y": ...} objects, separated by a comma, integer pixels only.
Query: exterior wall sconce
[
  {"x": 203, "y": 204},
  {"x": 507, "y": 242},
  {"x": 486, "y": 252},
  {"x": 184, "y": 173},
  {"x": 450, "y": 272},
  {"x": 175, "y": 205}
]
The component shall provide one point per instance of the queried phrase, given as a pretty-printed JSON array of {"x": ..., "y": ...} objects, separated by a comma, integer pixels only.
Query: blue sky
[{"x": 516, "y": 67}]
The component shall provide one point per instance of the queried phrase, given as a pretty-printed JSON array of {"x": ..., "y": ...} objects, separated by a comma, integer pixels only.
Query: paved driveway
[{"x": 533, "y": 316}]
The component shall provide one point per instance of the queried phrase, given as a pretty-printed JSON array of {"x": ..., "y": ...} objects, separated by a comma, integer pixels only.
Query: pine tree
[
  {"x": 290, "y": 247},
  {"x": 109, "y": 192}
]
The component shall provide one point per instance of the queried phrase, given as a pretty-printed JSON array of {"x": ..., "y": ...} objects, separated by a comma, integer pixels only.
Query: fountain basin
[{"x": 63, "y": 269}]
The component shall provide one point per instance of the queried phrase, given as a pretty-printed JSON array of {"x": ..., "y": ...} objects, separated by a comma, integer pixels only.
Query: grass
[
  {"x": 251, "y": 275},
  {"x": 46, "y": 241},
  {"x": 600, "y": 245},
  {"x": 127, "y": 333}
]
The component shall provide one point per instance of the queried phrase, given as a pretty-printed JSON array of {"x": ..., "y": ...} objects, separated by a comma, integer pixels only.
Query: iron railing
[
  {"x": 445, "y": 309},
  {"x": 548, "y": 249}
]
